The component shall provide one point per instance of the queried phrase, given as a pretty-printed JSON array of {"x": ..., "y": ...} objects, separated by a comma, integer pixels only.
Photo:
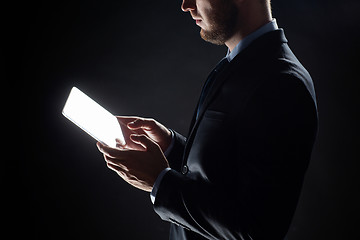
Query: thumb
[{"x": 145, "y": 141}]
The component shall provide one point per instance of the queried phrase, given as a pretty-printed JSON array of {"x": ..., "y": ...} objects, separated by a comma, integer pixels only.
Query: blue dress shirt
[{"x": 270, "y": 26}]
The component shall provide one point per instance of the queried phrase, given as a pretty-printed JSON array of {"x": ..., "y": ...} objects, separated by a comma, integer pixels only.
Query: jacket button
[{"x": 184, "y": 169}]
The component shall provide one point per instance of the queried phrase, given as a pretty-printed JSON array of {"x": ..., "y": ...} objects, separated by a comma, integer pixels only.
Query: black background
[{"x": 146, "y": 58}]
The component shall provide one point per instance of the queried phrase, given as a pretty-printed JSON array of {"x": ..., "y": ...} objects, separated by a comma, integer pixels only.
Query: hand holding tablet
[{"x": 140, "y": 158}]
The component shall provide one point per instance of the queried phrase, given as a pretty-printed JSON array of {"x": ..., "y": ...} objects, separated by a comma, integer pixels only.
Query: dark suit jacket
[{"x": 239, "y": 173}]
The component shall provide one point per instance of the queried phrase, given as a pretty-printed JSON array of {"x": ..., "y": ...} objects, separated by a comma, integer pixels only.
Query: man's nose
[{"x": 188, "y": 5}]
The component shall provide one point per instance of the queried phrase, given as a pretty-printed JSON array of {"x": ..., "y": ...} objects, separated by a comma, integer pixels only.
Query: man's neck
[{"x": 247, "y": 26}]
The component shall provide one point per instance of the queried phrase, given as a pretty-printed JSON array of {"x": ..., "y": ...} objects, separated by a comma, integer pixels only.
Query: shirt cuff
[{"x": 157, "y": 183}]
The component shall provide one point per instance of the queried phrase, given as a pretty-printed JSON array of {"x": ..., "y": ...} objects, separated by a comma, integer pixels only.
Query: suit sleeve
[
  {"x": 255, "y": 191},
  {"x": 175, "y": 156}
]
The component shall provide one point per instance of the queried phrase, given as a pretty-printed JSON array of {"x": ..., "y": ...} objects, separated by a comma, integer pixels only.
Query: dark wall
[{"x": 146, "y": 58}]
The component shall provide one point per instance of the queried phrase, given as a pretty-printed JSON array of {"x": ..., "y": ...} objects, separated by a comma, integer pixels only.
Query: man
[{"x": 239, "y": 172}]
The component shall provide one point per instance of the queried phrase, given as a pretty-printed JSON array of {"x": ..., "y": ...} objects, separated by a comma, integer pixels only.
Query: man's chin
[{"x": 212, "y": 37}]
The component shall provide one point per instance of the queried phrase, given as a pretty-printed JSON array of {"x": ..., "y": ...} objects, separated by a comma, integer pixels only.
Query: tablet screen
[{"x": 92, "y": 118}]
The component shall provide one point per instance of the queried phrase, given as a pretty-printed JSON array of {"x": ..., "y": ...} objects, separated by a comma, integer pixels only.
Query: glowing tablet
[{"x": 93, "y": 118}]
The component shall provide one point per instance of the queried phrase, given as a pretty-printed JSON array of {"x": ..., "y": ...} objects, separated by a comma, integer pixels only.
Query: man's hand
[
  {"x": 139, "y": 168},
  {"x": 150, "y": 127}
]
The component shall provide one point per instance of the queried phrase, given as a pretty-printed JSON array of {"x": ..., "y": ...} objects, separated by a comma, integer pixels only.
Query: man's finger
[
  {"x": 143, "y": 123},
  {"x": 124, "y": 120},
  {"x": 117, "y": 169},
  {"x": 108, "y": 151},
  {"x": 113, "y": 152},
  {"x": 145, "y": 141},
  {"x": 116, "y": 162}
]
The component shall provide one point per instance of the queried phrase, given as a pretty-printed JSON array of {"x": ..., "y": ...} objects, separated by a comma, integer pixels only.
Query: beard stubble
[{"x": 222, "y": 23}]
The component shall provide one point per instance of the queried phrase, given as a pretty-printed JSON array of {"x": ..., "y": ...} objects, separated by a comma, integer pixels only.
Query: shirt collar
[{"x": 268, "y": 27}]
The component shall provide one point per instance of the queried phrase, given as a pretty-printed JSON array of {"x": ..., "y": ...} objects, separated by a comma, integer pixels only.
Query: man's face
[{"x": 217, "y": 18}]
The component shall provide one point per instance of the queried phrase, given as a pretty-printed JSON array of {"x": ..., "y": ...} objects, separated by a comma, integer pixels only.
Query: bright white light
[{"x": 92, "y": 118}]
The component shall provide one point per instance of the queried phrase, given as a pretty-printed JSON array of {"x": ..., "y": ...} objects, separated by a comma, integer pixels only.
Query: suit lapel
[
  {"x": 255, "y": 50},
  {"x": 220, "y": 79}
]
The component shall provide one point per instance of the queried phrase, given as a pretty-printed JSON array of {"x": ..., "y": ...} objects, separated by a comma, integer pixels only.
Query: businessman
[{"x": 239, "y": 172}]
